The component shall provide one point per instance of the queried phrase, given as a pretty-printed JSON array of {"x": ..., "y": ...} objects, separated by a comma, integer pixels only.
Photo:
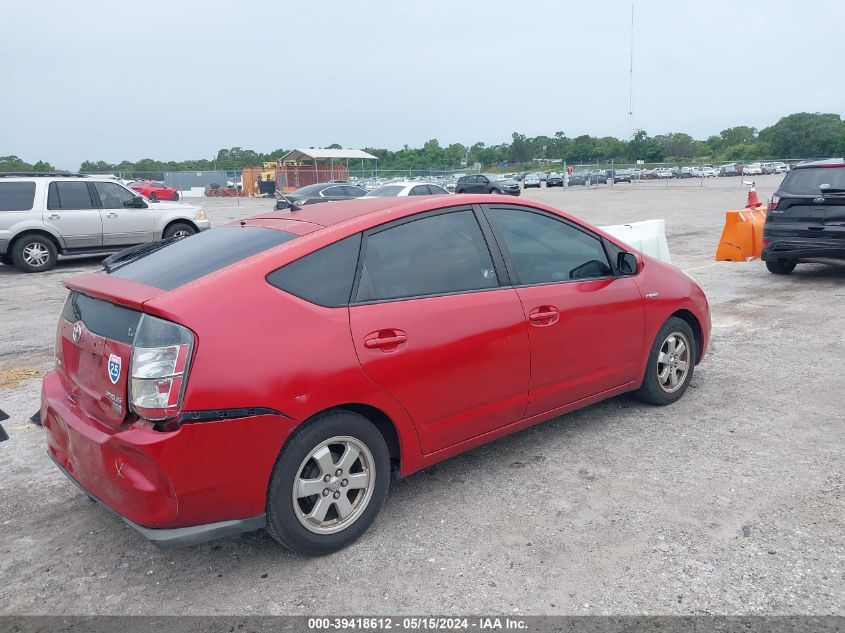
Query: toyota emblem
[{"x": 77, "y": 332}]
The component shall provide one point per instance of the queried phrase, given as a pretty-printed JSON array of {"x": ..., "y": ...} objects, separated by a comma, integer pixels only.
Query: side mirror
[
  {"x": 626, "y": 263},
  {"x": 281, "y": 205},
  {"x": 137, "y": 202}
]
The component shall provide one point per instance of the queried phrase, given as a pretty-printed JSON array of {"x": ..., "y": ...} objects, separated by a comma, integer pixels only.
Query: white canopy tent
[{"x": 301, "y": 155}]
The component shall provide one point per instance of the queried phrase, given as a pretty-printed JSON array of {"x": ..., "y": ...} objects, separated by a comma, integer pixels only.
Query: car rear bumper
[
  {"x": 802, "y": 249},
  {"x": 167, "y": 538},
  {"x": 203, "y": 480}
]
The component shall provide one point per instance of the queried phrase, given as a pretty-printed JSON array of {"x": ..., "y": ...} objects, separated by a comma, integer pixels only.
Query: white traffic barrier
[{"x": 648, "y": 237}]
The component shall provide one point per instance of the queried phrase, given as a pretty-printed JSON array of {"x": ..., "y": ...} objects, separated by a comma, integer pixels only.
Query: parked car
[
  {"x": 663, "y": 173},
  {"x": 579, "y": 178},
  {"x": 728, "y": 170},
  {"x": 781, "y": 168},
  {"x": 621, "y": 175},
  {"x": 554, "y": 180},
  {"x": 806, "y": 218},
  {"x": 754, "y": 169},
  {"x": 390, "y": 336},
  {"x": 154, "y": 190},
  {"x": 320, "y": 192},
  {"x": 44, "y": 215},
  {"x": 486, "y": 183},
  {"x": 411, "y": 188},
  {"x": 648, "y": 174},
  {"x": 708, "y": 171},
  {"x": 598, "y": 176},
  {"x": 531, "y": 180},
  {"x": 542, "y": 175}
]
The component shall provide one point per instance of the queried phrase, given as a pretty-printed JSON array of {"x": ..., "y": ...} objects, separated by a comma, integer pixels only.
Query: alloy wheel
[
  {"x": 36, "y": 255},
  {"x": 673, "y": 362},
  {"x": 334, "y": 484}
]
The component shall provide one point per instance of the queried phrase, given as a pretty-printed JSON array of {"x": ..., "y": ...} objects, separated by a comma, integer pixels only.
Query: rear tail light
[
  {"x": 773, "y": 201},
  {"x": 161, "y": 355}
]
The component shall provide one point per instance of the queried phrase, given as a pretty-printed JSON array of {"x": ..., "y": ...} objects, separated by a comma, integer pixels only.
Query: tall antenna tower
[{"x": 631, "y": 80}]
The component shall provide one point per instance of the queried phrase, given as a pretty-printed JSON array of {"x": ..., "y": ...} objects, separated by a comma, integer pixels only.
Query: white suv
[{"x": 43, "y": 216}]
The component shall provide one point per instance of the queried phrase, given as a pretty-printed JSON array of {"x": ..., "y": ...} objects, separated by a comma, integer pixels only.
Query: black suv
[
  {"x": 806, "y": 218},
  {"x": 486, "y": 183}
]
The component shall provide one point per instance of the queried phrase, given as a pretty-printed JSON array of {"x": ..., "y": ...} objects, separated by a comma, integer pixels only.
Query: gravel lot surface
[{"x": 729, "y": 502}]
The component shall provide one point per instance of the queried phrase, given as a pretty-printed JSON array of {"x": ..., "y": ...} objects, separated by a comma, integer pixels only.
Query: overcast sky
[{"x": 180, "y": 79}]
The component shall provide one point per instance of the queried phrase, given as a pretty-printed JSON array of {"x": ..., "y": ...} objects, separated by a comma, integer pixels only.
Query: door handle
[
  {"x": 111, "y": 215},
  {"x": 53, "y": 216},
  {"x": 385, "y": 340},
  {"x": 544, "y": 315}
]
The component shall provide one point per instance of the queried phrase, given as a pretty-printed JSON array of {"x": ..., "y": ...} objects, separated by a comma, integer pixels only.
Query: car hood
[{"x": 164, "y": 205}]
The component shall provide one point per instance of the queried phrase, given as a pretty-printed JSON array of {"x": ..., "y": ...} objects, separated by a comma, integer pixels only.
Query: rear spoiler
[{"x": 113, "y": 289}]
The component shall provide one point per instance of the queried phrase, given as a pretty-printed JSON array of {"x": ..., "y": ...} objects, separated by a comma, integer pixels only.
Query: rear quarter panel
[{"x": 257, "y": 346}]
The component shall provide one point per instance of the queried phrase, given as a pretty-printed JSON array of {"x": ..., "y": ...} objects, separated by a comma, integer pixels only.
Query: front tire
[
  {"x": 178, "y": 229},
  {"x": 153, "y": 196},
  {"x": 34, "y": 254},
  {"x": 670, "y": 365},
  {"x": 494, "y": 190},
  {"x": 328, "y": 484},
  {"x": 781, "y": 266}
]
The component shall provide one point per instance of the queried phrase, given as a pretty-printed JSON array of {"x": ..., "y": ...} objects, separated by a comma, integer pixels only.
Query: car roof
[
  {"x": 828, "y": 162},
  {"x": 368, "y": 212}
]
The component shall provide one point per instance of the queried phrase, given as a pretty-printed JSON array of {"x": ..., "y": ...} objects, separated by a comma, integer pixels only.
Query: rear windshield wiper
[
  {"x": 834, "y": 190},
  {"x": 113, "y": 262}
]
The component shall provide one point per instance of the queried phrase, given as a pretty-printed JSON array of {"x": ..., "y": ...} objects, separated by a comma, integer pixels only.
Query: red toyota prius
[{"x": 277, "y": 372}]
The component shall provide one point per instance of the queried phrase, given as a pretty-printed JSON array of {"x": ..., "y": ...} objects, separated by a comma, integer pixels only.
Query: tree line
[{"x": 801, "y": 135}]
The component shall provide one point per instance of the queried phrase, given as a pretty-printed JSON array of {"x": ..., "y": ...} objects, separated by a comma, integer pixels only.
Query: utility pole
[{"x": 631, "y": 80}]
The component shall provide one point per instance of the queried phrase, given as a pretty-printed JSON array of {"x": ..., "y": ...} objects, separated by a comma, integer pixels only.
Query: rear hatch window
[
  {"x": 808, "y": 182},
  {"x": 196, "y": 256}
]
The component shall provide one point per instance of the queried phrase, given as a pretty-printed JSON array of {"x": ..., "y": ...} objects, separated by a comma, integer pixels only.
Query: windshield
[
  {"x": 807, "y": 182},
  {"x": 388, "y": 191}
]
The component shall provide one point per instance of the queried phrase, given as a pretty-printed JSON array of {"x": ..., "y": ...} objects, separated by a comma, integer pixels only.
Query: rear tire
[
  {"x": 316, "y": 452},
  {"x": 34, "y": 254},
  {"x": 670, "y": 365},
  {"x": 781, "y": 266},
  {"x": 6, "y": 259},
  {"x": 153, "y": 196},
  {"x": 175, "y": 196}
]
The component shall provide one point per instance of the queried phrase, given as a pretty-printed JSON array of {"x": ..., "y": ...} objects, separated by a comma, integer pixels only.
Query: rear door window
[
  {"x": 324, "y": 277},
  {"x": 69, "y": 195},
  {"x": 436, "y": 254},
  {"x": 201, "y": 254},
  {"x": 16, "y": 196}
]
